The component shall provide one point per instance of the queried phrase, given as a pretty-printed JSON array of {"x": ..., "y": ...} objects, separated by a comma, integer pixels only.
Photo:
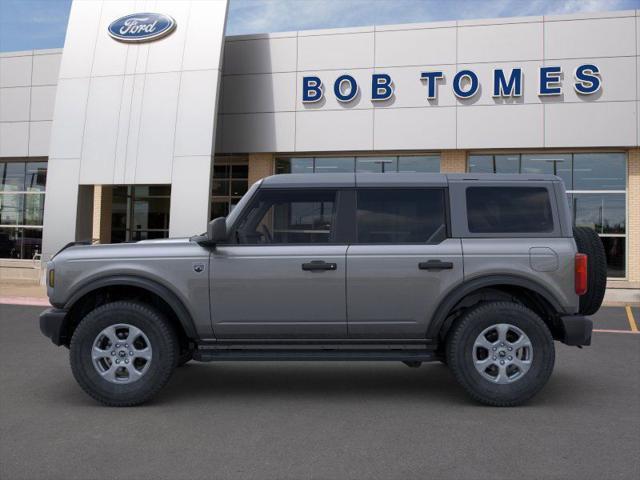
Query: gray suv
[{"x": 481, "y": 272}]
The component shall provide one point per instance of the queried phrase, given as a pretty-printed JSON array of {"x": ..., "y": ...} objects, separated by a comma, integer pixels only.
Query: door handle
[
  {"x": 319, "y": 265},
  {"x": 435, "y": 265}
]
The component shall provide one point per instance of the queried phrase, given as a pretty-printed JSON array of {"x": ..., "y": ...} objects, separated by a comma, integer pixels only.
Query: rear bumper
[
  {"x": 52, "y": 323},
  {"x": 576, "y": 330}
]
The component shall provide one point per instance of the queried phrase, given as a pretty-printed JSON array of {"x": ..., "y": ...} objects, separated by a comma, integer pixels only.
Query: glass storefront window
[
  {"x": 230, "y": 182},
  {"x": 12, "y": 209},
  {"x": 377, "y": 164},
  {"x": 419, "y": 163},
  {"x": 596, "y": 187},
  {"x": 604, "y": 213},
  {"x": 553, "y": 164},
  {"x": 366, "y": 163},
  {"x": 507, "y": 163},
  {"x": 334, "y": 164},
  {"x": 599, "y": 171},
  {"x": 481, "y": 164},
  {"x": 140, "y": 212},
  {"x": 294, "y": 165},
  {"x": 22, "y": 188},
  {"x": 615, "y": 250},
  {"x": 35, "y": 176},
  {"x": 12, "y": 176}
]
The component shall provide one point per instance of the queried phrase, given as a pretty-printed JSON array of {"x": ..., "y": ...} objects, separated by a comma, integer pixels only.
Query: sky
[{"x": 34, "y": 24}]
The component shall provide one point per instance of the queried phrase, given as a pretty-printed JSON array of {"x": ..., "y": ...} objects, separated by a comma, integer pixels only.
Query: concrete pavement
[{"x": 319, "y": 420}]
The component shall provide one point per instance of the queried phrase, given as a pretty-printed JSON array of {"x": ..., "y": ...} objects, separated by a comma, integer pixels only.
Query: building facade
[{"x": 114, "y": 141}]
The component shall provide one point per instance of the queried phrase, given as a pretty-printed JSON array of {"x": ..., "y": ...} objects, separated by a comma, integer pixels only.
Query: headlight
[{"x": 52, "y": 275}]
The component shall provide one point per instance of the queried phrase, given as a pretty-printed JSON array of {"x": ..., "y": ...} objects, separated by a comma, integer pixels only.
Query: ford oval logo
[{"x": 141, "y": 27}]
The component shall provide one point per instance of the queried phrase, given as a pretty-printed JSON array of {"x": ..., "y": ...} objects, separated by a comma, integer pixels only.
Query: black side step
[{"x": 239, "y": 354}]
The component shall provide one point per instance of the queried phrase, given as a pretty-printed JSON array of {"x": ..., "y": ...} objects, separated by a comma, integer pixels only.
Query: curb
[{"x": 26, "y": 301}]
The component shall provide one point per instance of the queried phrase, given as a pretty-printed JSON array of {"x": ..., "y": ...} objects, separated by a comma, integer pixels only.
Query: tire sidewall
[
  {"x": 162, "y": 362},
  {"x": 460, "y": 353}
]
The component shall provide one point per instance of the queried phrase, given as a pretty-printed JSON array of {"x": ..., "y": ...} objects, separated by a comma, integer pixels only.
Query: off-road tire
[
  {"x": 459, "y": 351},
  {"x": 589, "y": 243},
  {"x": 163, "y": 342}
]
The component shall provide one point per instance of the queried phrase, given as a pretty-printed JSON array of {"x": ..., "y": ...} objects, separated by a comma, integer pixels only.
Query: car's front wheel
[
  {"x": 502, "y": 353},
  {"x": 123, "y": 353}
]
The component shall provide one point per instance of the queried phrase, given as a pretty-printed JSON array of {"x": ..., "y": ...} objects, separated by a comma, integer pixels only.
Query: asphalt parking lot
[{"x": 320, "y": 420}]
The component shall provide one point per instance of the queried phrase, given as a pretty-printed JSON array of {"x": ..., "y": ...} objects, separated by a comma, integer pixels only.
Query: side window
[
  {"x": 509, "y": 210},
  {"x": 401, "y": 215},
  {"x": 289, "y": 217}
]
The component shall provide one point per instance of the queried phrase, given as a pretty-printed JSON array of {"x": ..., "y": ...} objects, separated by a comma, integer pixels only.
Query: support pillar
[
  {"x": 260, "y": 165},
  {"x": 453, "y": 161}
]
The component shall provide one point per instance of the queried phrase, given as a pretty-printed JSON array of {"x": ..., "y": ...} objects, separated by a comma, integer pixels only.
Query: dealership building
[{"x": 115, "y": 139}]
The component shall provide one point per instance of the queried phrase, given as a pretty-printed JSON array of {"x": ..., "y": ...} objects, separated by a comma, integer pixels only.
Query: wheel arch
[
  {"x": 106, "y": 289},
  {"x": 492, "y": 288}
]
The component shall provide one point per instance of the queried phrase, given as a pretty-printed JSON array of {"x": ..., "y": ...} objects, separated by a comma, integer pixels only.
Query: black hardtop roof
[{"x": 402, "y": 179}]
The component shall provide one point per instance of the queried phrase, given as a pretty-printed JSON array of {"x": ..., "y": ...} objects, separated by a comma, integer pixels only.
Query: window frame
[
  {"x": 23, "y": 193},
  {"x": 445, "y": 203},
  {"x": 459, "y": 217},
  {"x": 341, "y": 235}
]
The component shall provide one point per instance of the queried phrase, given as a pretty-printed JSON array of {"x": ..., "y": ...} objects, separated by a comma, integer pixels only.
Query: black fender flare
[
  {"x": 464, "y": 289},
  {"x": 183, "y": 315}
]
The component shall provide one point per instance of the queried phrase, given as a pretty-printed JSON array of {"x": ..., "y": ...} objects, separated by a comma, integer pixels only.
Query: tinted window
[
  {"x": 430, "y": 164},
  {"x": 509, "y": 210},
  {"x": 401, "y": 216},
  {"x": 289, "y": 216}
]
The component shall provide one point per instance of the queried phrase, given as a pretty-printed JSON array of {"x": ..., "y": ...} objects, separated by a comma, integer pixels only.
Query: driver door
[{"x": 283, "y": 274}]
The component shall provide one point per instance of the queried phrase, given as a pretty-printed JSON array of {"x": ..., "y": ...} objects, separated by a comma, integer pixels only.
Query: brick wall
[
  {"x": 453, "y": 161},
  {"x": 102, "y": 201},
  {"x": 260, "y": 166}
]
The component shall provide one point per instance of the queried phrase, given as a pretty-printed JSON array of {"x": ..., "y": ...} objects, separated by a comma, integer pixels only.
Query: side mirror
[{"x": 217, "y": 230}]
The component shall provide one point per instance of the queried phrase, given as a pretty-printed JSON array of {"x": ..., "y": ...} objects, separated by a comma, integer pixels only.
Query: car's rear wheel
[
  {"x": 123, "y": 353},
  {"x": 502, "y": 353}
]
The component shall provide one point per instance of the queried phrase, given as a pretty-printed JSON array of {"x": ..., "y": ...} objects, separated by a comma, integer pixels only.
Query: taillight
[{"x": 581, "y": 273}]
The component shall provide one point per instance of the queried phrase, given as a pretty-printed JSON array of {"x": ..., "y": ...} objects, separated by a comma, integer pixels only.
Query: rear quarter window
[{"x": 509, "y": 210}]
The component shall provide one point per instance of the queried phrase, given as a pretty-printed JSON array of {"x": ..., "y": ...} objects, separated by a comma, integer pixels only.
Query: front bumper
[
  {"x": 52, "y": 325},
  {"x": 576, "y": 330}
]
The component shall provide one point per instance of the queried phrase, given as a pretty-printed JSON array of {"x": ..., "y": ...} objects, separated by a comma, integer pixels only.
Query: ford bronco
[{"x": 481, "y": 272}]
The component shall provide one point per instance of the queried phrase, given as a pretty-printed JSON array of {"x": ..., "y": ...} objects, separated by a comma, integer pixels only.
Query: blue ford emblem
[{"x": 141, "y": 27}]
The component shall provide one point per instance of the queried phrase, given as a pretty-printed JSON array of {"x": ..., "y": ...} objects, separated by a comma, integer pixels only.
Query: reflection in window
[
  {"x": 230, "y": 182},
  {"x": 140, "y": 212},
  {"x": 509, "y": 210},
  {"x": 596, "y": 185},
  {"x": 22, "y": 194},
  {"x": 288, "y": 217},
  {"x": 366, "y": 163},
  {"x": 605, "y": 213},
  {"x": 419, "y": 163},
  {"x": 377, "y": 164},
  {"x": 334, "y": 165},
  {"x": 600, "y": 171},
  {"x": 401, "y": 216},
  {"x": 553, "y": 164}
]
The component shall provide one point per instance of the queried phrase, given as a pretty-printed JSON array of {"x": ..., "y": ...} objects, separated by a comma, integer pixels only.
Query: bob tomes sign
[
  {"x": 465, "y": 84},
  {"x": 141, "y": 27}
]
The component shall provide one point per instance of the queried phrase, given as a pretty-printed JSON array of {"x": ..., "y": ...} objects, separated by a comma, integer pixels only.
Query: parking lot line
[
  {"x": 632, "y": 321},
  {"x": 601, "y": 330}
]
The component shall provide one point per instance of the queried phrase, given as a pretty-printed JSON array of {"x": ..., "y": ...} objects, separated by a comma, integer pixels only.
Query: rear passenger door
[{"x": 401, "y": 263}]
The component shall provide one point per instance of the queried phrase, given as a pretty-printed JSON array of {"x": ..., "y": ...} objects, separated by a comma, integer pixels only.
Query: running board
[{"x": 244, "y": 354}]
